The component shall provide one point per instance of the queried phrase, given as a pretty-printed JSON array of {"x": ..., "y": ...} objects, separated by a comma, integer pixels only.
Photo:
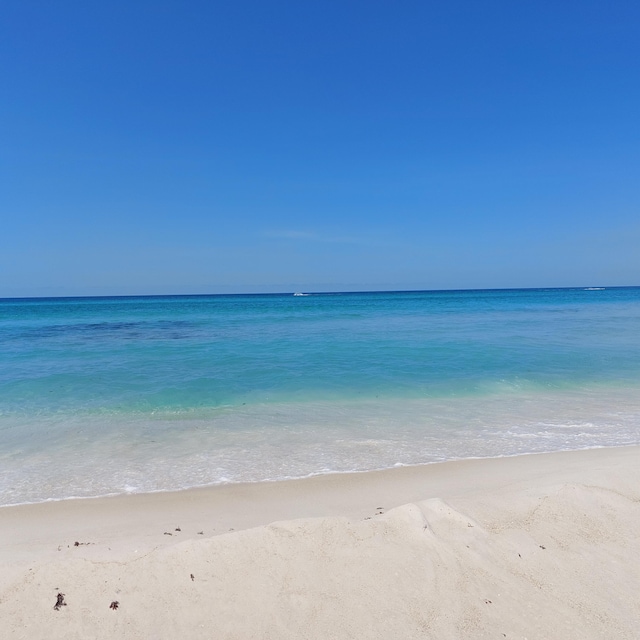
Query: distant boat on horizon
[{"x": 297, "y": 293}]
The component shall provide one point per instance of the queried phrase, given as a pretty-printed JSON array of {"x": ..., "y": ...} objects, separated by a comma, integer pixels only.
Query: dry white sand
[{"x": 543, "y": 546}]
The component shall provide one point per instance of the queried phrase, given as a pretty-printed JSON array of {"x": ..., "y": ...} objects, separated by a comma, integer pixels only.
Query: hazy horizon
[{"x": 291, "y": 290}]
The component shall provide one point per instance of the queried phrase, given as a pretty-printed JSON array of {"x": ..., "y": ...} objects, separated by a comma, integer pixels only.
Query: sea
[{"x": 111, "y": 395}]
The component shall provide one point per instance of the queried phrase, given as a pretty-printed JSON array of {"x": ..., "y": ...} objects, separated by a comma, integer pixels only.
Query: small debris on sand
[
  {"x": 114, "y": 605},
  {"x": 59, "y": 602}
]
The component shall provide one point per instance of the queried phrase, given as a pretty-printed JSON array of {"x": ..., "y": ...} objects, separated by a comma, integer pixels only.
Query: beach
[
  {"x": 535, "y": 546},
  {"x": 371, "y": 465},
  {"x": 320, "y": 322}
]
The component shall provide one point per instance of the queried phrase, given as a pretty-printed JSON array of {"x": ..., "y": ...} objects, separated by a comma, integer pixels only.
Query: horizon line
[{"x": 311, "y": 292}]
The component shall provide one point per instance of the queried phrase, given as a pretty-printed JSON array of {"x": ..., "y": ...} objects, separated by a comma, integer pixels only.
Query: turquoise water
[{"x": 110, "y": 395}]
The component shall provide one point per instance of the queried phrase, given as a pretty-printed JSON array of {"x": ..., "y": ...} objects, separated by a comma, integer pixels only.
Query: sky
[{"x": 159, "y": 147}]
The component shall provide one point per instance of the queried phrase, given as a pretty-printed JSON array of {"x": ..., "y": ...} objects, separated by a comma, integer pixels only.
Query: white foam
[{"x": 276, "y": 441}]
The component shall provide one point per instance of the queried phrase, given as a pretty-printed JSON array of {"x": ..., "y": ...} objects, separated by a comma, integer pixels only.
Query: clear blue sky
[{"x": 194, "y": 147}]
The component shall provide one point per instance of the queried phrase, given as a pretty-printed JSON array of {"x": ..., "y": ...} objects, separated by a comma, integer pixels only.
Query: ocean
[{"x": 103, "y": 396}]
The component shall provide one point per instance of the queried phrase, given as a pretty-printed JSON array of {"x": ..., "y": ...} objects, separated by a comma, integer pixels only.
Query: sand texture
[{"x": 543, "y": 546}]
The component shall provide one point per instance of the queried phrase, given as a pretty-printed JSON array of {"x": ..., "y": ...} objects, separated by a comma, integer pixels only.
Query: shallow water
[{"x": 108, "y": 395}]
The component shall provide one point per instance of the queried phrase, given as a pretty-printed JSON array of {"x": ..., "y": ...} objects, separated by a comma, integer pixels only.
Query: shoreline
[
  {"x": 334, "y": 493},
  {"x": 135, "y": 548},
  {"x": 248, "y": 483}
]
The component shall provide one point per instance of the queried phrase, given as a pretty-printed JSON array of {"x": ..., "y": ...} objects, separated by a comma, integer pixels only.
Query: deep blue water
[{"x": 104, "y": 395}]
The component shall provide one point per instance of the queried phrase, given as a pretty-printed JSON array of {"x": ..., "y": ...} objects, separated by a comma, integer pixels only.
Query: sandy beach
[{"x": 538, "y": 546}]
